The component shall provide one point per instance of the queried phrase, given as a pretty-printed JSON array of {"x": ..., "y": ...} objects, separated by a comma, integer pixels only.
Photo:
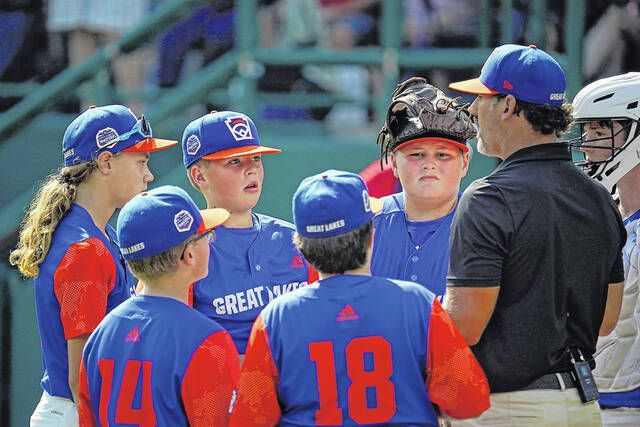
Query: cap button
[{"x": 533, "y": 46}]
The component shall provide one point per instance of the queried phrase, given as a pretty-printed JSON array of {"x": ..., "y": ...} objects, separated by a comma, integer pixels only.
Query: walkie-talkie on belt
[{"x": 583, "y": 376}]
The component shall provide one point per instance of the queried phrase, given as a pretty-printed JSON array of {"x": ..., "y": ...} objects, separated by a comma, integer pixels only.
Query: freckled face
[{"x": 430, "y": 170}]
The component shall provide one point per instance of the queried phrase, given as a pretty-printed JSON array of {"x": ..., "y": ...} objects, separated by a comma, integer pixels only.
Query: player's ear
[
  {"x": 104, "y": 162},
  {"x": 189, "y": 257},
  {"x": 394, "y": 166},
  {"x": 466, "y": 158},
  {"x": 196, "y": 175}
]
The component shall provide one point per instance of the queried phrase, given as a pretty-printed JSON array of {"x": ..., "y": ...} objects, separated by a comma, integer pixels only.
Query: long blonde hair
[{"x": 48, "y": 207}]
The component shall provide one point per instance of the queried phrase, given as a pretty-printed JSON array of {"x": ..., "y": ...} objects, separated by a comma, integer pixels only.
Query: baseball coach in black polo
[{"x": 535, "y": 272}]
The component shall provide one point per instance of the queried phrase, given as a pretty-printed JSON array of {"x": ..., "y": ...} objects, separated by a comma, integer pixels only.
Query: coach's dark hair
[
  {"x": 336, "y": 254},
  {"x": 545, "y": 118},
  {"x": 48, "y": 207}
]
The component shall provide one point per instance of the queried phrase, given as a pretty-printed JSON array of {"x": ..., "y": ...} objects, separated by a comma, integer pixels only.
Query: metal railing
[
  {"x": 68, "y": 80},
  {"x": 389, "y": 56},
  {"x": 246, "y": 57}
]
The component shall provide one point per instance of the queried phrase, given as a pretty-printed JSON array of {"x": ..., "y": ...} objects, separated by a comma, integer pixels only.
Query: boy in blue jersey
[
  {"x": 254, "y": 259},
  {"x": 430, "y": 156},
  {"x": 352, "y": 349},
  {"x": 154, "y": 360}
]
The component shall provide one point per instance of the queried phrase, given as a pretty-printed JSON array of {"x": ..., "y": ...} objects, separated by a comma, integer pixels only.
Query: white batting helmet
[{"x": 610, "y": 99}]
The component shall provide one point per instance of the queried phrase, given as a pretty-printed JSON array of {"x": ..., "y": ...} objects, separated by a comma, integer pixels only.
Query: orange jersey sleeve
[
  {"x": 82, "y": 282},
  {"x": 257, "y": 402},
  {"x": 210, "y": 381},
  {"x": 455, "y": 380},
  {"x": 85, "y": 411}
]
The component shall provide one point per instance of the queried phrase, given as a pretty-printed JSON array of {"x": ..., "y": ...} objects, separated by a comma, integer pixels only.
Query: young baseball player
[
  {"x": 154, "y": 360},
  {"x": 255, "y": 259},
  {"x": 353, "y": 349},
  {"x": 66, "y": 244},
  {"x": 610, "y": 141},
  {"x": 425, "y": 135}
]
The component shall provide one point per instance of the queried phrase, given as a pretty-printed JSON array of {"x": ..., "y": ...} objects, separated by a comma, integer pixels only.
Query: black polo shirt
[{"x": 551, "y": 238}]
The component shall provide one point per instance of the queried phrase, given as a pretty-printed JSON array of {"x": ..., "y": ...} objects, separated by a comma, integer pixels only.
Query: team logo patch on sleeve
[
  {"x": 183, "y": 221},
  {"x": 193, "y": 145},
  {"x": 106, "y": 137},
  {"x": 239, "y": 128}
]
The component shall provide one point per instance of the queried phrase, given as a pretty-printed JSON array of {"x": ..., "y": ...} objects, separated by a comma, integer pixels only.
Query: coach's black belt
[{"x": 551, "y": 382}]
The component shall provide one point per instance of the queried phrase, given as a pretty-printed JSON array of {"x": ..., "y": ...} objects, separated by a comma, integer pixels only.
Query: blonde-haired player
[{"x": 68, "y": 247}]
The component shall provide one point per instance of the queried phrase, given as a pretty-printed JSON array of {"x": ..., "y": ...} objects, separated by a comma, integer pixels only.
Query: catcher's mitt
[{"x": 420, "y": 110}]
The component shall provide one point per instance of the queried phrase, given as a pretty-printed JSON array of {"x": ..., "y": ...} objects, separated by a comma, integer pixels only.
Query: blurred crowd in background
[{"x": 41, "y": 38}]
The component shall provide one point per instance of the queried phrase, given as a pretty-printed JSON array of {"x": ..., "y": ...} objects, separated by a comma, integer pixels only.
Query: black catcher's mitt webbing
[{"x": 420, "y": 110}]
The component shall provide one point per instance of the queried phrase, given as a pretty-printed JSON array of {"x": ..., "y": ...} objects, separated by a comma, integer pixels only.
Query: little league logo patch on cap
[
  {"x": 193, "y": 145},
  {"x": 106, "y": 137},
  {"x": 183, "y": 221},
  {"x": 239, "y": 128}
]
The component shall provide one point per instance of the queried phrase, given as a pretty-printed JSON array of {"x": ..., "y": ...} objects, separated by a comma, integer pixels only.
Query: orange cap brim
[
  {"x": 212, "y": 218},
  {"x": 474, "y": 86},
  {"x": 150, "y": 144},
  {"x": 375, "y": 204},
  {"x": 457, "y": 144},
  {"x": 241, "y": 151}
]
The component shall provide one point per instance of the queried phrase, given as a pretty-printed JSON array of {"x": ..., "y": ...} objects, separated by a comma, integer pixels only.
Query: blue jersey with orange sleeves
[
  {"x": 156, "y": 361},
  {"x": 357, "y": 350},
  {"x": 396, "y": 256},
  {"x": 82, "y": 278},
  {"x": 247, "y": 269}
]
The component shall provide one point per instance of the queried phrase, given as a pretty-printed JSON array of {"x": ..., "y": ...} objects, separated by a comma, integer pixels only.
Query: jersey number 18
[{"x": 330, "y": 414}]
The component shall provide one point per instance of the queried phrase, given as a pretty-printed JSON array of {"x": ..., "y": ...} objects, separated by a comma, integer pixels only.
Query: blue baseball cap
[
  {"x": 112, "y": 128},
  {"x": 160, "y": 219},
  {"x": 331, "y": 203},
  {"x": 221, "y": 135},
  {"x": 526, "y": 72}
]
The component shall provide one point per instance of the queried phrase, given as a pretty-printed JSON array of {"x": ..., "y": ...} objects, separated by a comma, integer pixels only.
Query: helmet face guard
[
  {"x": 608, "y": 101},
  {"x": 615, "y": 162}
]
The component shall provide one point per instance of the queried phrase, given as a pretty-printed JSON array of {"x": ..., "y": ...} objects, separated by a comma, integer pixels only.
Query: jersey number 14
[
  {"x": 131, "y": 380},
  {"x": 330, "y": 414}
]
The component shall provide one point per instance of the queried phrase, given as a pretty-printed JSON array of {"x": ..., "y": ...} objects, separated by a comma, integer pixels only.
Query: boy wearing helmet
[{"x": 608, "y": 112}]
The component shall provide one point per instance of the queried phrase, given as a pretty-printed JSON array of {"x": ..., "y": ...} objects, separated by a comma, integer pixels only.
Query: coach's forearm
[{"x": 471, "y": 308}]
